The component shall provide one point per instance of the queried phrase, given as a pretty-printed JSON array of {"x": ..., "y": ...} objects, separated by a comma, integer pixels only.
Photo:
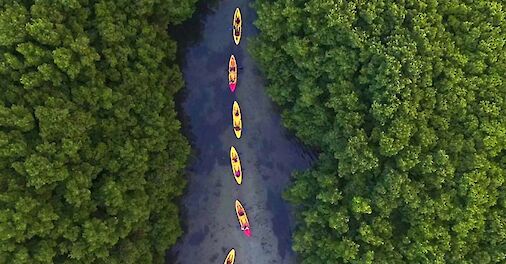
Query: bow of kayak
[{"x": 230, "y": 257}]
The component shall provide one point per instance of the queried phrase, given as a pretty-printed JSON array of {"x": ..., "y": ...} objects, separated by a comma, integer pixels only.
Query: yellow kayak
[
  {"x": 237, "y": 23},
  {"x": 230, "y": 257},
  {"x": 242, "y": 217},
  {"x": 237, "y": 120},
  {"x": 236, "y": 165}
]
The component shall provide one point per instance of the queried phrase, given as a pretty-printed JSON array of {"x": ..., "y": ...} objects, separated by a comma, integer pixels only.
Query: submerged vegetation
[
  {"x": 91, "y": 152},
  {"x": 406, "y": 101}
]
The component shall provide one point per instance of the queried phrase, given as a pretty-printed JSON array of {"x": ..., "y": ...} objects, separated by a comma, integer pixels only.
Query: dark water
[{"x": 268, "y": 153}]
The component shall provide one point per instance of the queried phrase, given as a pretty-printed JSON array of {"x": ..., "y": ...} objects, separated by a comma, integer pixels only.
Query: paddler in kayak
[
  {"x": 237, "y": 27},
  {"x": 235, "y": 162},
  {"x": 244, "y": 224},
  {"x": 232, "y": 73},
  {"x": 237, "y": 126},
  {"x": 243, "y": 219},
  {"x": 239, "y": 68}
]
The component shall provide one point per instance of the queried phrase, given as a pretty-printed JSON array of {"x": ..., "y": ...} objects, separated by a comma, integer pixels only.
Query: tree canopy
[
  {"x": 406, "y": 102},
  {"x": 91, "y": 151}
]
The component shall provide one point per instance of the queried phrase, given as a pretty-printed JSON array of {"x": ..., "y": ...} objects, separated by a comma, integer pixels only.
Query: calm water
[{"x": 268, "y": 152}]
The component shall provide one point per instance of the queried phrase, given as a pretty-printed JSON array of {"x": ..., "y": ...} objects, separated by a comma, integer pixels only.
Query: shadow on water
[
  {"x": 187, "y": 34},
  {"x": 199, "y": 236},
  {"x": 282, "y": 229},
  {"x": 190, "y": 32}
]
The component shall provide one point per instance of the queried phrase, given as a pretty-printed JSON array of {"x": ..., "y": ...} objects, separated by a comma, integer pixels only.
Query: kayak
[
  {"x": 232, "y": 73},
  {"x": 236, "y": 165},
  {"x": 237, "y": 120},
  {"x": 237, "y": 23},
  {"x": 243, "y": 218},
  {"x": 230, "y": 257}
]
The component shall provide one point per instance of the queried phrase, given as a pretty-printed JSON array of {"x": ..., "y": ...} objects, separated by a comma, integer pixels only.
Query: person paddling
[
  {"x": 232, "y": 69},
  {"x": 237, "y": 125}
]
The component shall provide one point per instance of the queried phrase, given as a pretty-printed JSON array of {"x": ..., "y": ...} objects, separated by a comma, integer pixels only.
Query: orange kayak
[
  {"x": 232, "y": 73},
  {"x": 236, "y": 165},
  {"x": 230, "y": 257},
  {"x": 237, "y": 23},
  {"x": 237, "y": 120},
  {"x": 243, "y": 218}
]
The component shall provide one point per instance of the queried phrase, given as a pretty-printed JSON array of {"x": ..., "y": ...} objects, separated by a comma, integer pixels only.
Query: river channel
[{"x": 268, "y": 152}]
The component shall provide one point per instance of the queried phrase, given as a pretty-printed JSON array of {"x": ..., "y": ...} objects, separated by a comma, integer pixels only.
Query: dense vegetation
[
  {"x": 406, "y": 101},
  {"x": 91, "y": 152}
]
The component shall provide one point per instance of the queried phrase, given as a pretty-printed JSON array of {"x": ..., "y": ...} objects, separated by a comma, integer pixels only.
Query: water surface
[{"x": 268, "y": 152}]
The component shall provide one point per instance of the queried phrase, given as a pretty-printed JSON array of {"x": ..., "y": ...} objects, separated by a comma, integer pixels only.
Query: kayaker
[
  {"x": 236, "y": 113},
  {"x": 238, "y": 173},
  {"x": 234, "y": 159},
  {"x": 228, "y": 70},
  {"x": 237, "y": 128}
]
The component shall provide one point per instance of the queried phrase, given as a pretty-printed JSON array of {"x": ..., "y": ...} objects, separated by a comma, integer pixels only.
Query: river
[{"x": 268, "y": 152}]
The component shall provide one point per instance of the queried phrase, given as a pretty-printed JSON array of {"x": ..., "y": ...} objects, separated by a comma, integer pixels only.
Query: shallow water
[{"x": 267, "y": 151}]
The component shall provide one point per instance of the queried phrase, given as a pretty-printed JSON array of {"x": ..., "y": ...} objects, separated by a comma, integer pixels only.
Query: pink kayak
[{"x": 232, "y": 73}]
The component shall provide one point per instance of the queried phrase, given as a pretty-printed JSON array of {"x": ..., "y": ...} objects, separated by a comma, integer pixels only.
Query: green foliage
[
  {"x": 406, "y": 101},
  {"x": 91, "y": 151}
]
